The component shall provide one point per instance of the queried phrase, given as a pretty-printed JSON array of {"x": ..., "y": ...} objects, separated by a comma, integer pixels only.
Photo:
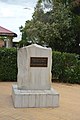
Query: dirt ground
[{"x": 69, "y": 108}]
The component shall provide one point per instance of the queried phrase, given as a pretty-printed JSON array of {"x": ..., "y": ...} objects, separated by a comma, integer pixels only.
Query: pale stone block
[
  {"x": 34, "y": 77},
  {"x": 37, "y": 100},
  {"x": 31, "y": 100},
  {"x": 25, "y": 100},
  {"x": 18, "y": 101},
  {"x": 33, "y": 88},
  {"x": 43, "y": 100},
  {"x": 49, "y": 100},
  {"x": 34, "y": 98},
  {"x": 56, "y": 100}
]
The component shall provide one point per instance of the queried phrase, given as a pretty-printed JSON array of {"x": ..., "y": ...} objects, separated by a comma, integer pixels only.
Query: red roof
[{"x": 6, "y": 32}]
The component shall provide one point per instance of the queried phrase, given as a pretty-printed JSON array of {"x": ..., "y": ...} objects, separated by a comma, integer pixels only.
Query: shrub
[
  {"x": 8, "y": 64},
  {"x": 72, "y": 74},
  {"x": 66, "y": 67},
  {"x": 57, "y": 64}
]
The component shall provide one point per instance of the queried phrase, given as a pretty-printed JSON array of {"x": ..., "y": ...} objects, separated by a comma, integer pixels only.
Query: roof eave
[{"x": 8, "y": 34}]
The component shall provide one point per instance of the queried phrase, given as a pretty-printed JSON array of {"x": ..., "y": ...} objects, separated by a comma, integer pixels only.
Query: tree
[{"x": 53, "y": 25}]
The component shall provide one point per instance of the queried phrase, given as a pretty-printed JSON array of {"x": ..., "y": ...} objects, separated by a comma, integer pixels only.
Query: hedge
[
  {"x": 8, "y": 64},
  {"x": 65, "y": 66}
]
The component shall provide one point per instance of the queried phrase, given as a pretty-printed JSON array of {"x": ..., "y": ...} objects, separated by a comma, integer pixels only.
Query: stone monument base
[{"x": 34, "y": 98}]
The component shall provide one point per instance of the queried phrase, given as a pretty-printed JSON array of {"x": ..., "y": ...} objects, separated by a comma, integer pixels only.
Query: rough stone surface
[
  {"x": 34, "y": 77},
  {"x": 35, "y": 98},
  {"x": 33, "y": 87}
]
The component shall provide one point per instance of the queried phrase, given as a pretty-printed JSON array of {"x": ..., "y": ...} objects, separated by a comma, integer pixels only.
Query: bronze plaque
[{"x": 38, "y": 61}]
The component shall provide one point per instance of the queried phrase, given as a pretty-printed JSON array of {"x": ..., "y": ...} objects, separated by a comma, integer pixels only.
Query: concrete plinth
[{"x": 34, "y": 98}]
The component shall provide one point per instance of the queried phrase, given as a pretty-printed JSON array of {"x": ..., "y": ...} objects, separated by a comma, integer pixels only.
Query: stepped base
[{"x": 34, "y": 98}]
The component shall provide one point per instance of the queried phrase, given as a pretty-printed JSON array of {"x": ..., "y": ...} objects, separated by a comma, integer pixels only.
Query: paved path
[{"x": 69, "y": 105}]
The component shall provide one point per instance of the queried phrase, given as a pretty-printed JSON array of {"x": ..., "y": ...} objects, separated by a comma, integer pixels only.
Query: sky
[{"x": 14, "y": 13}]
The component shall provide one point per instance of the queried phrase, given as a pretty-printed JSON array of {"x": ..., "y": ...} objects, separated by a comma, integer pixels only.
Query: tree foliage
[{"x": 54, "y": 24}]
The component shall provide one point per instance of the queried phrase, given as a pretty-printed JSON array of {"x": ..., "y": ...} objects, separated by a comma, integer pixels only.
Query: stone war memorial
[{"x": 33, "y": 88}]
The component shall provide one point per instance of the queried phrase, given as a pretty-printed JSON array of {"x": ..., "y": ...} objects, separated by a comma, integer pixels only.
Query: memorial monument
[{"x": 33, "y": 87}]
